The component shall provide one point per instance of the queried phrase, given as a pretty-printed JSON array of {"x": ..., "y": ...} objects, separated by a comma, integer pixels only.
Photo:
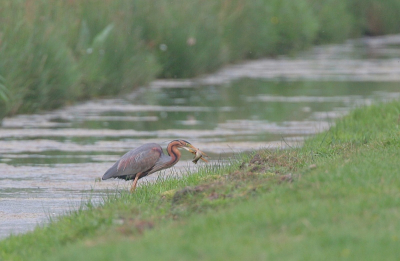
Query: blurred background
[
  {"x": 82, "y": 82},
  {"x": 53, "y": 52}
]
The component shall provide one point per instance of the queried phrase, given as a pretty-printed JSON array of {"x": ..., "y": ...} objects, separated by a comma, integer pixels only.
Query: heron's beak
[{"x": 190, "y": 148}]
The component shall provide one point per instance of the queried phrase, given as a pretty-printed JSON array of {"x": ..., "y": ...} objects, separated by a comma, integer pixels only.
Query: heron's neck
[{"x": 173, "y": 152}]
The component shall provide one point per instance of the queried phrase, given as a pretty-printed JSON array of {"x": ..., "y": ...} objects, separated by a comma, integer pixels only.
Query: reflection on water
[{"x": 49, "y": 162}]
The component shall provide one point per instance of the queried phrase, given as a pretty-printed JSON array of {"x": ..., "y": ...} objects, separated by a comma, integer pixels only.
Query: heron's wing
[{"x": 138, "y": 160}]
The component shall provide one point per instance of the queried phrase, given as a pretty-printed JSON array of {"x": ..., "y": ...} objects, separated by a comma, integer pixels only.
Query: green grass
[
  {"x": 336, "y": 197},
  {"x": 54, "y": 53}
]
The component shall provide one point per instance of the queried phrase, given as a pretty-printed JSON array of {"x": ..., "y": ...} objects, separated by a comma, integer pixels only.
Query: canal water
[{"x": 51, "y": 162}]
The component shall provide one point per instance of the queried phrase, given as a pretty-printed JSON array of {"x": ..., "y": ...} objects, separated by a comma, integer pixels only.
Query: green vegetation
[
  {"x": 334, "y": 198},
  {"x": 56, "y": 52},
  {"x": 376, "y": 17}
]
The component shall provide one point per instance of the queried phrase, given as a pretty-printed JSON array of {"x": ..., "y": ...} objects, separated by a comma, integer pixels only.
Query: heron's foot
[
  {"x": 132, "y": 189},
  {"x": 134, "y": 184}
]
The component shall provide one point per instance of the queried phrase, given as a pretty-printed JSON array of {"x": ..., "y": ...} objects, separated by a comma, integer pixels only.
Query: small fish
[{"x": 199, "y": 155}]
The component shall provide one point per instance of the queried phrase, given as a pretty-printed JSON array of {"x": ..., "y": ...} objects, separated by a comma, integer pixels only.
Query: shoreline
[{"x": 281, "y": 178}]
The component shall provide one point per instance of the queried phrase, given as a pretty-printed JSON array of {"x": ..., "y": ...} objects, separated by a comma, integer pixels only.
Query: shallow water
[{"x": 49, "y": 162}]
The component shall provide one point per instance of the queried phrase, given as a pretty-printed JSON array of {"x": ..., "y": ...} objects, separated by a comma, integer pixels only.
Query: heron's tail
[{"x": 111, "y": 172}]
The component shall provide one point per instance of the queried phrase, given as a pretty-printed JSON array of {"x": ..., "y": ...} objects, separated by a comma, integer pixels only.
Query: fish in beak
[{"x": 198, "y": 153}]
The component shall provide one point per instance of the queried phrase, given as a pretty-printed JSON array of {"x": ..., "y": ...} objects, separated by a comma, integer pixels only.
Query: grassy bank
[
  {"x": 56, "y": 52},
  {"x": 336, "y": 197}
]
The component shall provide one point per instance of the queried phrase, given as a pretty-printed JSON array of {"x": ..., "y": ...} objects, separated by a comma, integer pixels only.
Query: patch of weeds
[
  {"x": 250, "y": 180},
  {"x": 272, "y": 163},
  {"x": 131, "y": 226}
]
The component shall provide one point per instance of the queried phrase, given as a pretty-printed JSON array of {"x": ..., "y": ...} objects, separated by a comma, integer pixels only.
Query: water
[{"x": 51, "y": 162}]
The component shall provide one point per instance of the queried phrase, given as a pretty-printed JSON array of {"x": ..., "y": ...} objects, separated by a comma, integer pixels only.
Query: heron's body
[{"x": 145, "y": 160}]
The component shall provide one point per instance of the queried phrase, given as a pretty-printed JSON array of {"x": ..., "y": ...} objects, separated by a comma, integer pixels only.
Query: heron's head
[{"x": 186, "y": 145}]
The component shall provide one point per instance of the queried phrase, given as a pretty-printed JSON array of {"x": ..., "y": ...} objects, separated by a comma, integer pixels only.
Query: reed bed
[{"x": 56, "y": 52}]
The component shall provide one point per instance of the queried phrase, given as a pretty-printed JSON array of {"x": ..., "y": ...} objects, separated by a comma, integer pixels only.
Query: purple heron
[{"x": 147, "y": 159}]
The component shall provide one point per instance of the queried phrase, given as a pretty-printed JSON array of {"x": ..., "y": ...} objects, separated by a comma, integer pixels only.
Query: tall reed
[{"x": 56, "y": 52}]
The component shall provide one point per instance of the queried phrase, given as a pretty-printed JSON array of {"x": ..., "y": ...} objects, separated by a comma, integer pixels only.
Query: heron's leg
[{"x": 135, "y": 182}]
